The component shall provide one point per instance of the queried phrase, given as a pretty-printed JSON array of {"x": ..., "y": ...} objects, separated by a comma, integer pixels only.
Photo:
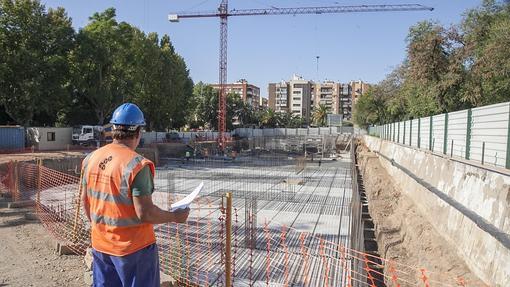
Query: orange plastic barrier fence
[{"x": 270, "y": 254}]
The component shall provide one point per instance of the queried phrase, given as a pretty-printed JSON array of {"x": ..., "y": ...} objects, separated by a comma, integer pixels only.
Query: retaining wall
[{"x": 469, "y": 205}]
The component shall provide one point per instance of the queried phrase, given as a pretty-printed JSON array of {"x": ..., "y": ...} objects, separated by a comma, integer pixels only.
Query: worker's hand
[{"x": 181, "y": 215}]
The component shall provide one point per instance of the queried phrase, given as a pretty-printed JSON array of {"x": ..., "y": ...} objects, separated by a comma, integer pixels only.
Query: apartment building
[
  {"x": 327, "y": 94},
  {"x": 279, "y": 97},
  {"x": 263, "y": 104},
  {"x": 345, "y": 101},
  {"x": 299, "y": 96},
  {"x": 358, "y": 88},
  {"x": 248, "y": 92}
]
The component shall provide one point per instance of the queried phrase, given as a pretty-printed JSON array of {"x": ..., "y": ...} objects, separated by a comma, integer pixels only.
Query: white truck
[{"x": 88, "y": 135}]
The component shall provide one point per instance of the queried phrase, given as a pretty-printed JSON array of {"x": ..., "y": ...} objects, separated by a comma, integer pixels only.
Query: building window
[
  {"x": 296, "y": 105},
  {"x": 296, "y": 92},
  {"x": 50, "y": 136}
]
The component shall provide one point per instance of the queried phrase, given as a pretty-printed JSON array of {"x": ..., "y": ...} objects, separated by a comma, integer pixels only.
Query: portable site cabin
[{"x": 51, "y": 138}]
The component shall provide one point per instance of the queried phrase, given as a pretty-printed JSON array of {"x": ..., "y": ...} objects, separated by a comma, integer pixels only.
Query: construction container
[
  {"x": 51, "y": 138},
  {"x": 12, "y": 138}
]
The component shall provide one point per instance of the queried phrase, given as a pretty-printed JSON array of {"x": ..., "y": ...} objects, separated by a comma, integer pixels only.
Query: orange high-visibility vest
[{"x": 107, "y": 176}]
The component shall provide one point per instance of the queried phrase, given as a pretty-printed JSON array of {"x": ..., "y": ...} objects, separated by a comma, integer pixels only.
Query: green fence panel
[
  {"x": 445, "y": 137},
  {"x": 419, "y": 132},
  {"x": 431, "y": 148},
  {"x": 468, "y": 133}
]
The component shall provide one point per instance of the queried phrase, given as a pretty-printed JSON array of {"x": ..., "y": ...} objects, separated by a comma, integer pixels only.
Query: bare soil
[
  {"x": 4, "y": 158},
  {"x": 403, "y": 234},
  {"x": 28, "y": 256}
]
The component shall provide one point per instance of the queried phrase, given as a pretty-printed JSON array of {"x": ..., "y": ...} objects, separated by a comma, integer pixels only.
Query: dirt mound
[{"x": 403, "y": 234}]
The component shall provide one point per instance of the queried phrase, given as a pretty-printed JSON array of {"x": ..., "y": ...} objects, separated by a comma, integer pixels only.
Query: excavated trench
[{"x": 396, "y": 230}]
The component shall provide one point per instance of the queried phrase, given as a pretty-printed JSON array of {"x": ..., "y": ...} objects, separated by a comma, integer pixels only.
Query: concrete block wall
[{"x": 475, "y": 204}]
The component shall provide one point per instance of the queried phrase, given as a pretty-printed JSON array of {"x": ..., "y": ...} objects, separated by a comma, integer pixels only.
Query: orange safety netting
[{"x": 265, "y": 254}]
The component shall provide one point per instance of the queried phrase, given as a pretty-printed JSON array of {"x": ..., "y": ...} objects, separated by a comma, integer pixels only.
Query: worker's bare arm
[
  {"x": 150, "y": 213},
  {"x": 85, "y": 202}
]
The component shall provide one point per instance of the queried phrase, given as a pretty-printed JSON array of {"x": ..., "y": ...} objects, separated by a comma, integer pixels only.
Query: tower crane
[{"x": 223, "y": 13}]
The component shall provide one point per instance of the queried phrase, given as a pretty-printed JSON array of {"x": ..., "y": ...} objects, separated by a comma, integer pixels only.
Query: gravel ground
[{"x": 28, "y": 256}]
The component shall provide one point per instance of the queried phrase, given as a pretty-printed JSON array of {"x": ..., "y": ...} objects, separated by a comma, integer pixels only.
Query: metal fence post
[
  {"x": 419, "y": 132},
  {"x": 404, "y": 134},
  {"x": 393, "y": 132},
  {"x": 398, "y": 133},
  {"x": 445, "y": 138},
  {"x": 468, "y": 134},
  {"x": 483, "y": 152},
  {"x": 228, "y": 241},
  {"x": 507, "y": 164},
  {"x": 16, "y": 195},
  {"x": 430, "y": 134},
  {"x": 38, "y": 197},
  {"x": 411, "y": 132}
]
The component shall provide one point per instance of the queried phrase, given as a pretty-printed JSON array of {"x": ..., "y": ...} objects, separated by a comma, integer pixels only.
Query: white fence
[
  {"x": 283, "y": 132},
  {"x": 186, "y": 137},
  {"x": 479, "y": 134}
]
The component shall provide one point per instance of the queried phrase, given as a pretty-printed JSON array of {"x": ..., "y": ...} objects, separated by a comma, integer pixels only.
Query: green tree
[
  {"x": 320, "y": 115},
  {"x": 102, "y": 64},
  {"x": 487, "y": 38},
  {"x": 205, "y": 114},
  {"x": 34, "y": 71},
  {"x": 269, "y": 118},
  {"x": 116, "y": 62},
  {"x": 368, "y": 109},
  {"x": 163, "y": 88}
]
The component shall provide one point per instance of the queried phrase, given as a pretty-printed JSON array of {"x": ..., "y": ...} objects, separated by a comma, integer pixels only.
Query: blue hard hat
[{"x": 128, "y": 114}]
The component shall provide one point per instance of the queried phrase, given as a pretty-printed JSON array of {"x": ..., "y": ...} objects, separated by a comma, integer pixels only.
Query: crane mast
[
  {"x": 222, "y": 100},
  {"x": 223, "y": 13}
]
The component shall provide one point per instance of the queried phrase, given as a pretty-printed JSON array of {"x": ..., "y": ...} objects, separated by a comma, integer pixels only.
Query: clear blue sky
[{"x": 265, "y": 49}]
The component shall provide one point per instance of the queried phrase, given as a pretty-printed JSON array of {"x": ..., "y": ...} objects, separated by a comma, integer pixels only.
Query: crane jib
[
  {"x": 223, "y": 13},
  {"x": 307, "y": 10}
]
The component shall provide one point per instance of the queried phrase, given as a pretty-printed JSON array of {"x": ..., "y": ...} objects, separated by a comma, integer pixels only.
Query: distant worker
[
  {"x": 188, "y": 155},
  {"x": 117, "y": 185}
]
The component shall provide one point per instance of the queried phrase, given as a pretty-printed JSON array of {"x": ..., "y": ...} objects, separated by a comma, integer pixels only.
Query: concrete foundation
[{"x": 468, "y": 205}]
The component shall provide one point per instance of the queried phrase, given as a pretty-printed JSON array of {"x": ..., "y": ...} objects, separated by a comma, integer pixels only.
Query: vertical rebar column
[{"x": 228, "y": 241}]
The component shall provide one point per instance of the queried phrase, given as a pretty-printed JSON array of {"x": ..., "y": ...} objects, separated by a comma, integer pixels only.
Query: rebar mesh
[{"x": 292, "y": 221}]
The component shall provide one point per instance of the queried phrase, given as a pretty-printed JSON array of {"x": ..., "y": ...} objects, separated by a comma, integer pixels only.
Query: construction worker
[{"x": 117, "y": 185}]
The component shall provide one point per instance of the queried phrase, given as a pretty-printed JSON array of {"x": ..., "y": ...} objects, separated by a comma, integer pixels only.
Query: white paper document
[{"x": 185, "y": 202}]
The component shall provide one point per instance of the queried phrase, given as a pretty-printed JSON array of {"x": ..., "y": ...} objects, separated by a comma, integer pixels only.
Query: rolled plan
[{"x": 185, "y": 202}]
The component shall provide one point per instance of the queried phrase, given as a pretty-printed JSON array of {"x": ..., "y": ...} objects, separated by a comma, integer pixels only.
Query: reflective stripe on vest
[
  {"x": 118, "y": 222},
  {"x": 117, "y": 199},
  {"x": 124, "y": 184}
]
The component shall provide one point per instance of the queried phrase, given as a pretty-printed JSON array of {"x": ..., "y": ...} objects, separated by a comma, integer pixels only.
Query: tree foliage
[
  {"x": 53, "y": 75},
  {"x": 34, "y": 68},
  {"x": 320, "y": 115},
  {"x": 446, "y": 69}
]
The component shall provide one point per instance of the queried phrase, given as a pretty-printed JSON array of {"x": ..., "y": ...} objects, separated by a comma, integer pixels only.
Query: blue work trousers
[{"x": 134, "y": 270}]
